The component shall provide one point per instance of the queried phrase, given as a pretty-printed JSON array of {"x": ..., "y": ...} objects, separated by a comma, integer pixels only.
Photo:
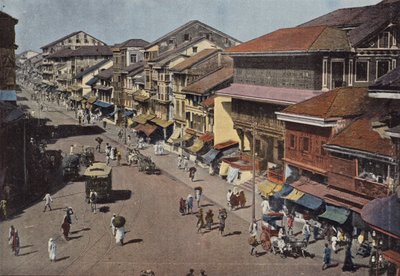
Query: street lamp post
[{"x": 254, "y": 172}]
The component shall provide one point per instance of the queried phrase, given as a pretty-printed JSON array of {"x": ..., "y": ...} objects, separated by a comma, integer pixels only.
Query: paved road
[{"x": 158, "y": 237}]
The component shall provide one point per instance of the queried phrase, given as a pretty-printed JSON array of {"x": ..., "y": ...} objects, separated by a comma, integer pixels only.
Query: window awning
[
  {"x": 162, "y": 123},
  {"x": 294, "y": 195},
  {"x": 207, "y": 137},
  {"x": 146, "y": 129},
  {"x": 112, "y": 113},
  {"x": 196, "y": 147},
  {"x": 103, "y": 104},
  {"x": 225, "y": 144},
  {"x": 141, "y": 98},
  {"x": 286, "y": 189},
  {"x": 175, "y": 135},
  {"x": 309, "y": 201},
  {"x": 184, "y": 138},
  {"x": 128, "y": 113},
  {"x": 92, "y": 81},
  {"x": 267, "y": 188},
  {"x": 336, "y": 214},
  {"x": 210, "y": 155},
  {"x": 92, "y": 99},
  {"x": 143, "y": 118}
]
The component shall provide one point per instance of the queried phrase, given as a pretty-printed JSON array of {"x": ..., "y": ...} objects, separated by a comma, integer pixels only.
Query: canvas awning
[
  {"x": 310, "y": 202},
  {"x": 336, "y": 214},
  {"x": 162, "y": 123},
  {"x": 210, "y": 156},
  {"x": 92, "y": 81},
  {"x": 141, "y": 98},
  {"x": 286, "y": 189},
  {"x": 175, "y": 135},
  {"x": 207, "y": 137},
  {"x": 147, "y": 129},
  {"x": 143, "y": 118},
  {"x": 294, "y": 195},
  {"x": 184, "y": 138},
  {"x": 267, "y": 188},
  {"x": 223, "y": 170},
  {"x": 76, "y": 98},
  {"x": 225, "y": 145},
  {"x": 196, "y": 147},
  {"x": 103, "y": 104},
  {"x": 92, "y": 99}
]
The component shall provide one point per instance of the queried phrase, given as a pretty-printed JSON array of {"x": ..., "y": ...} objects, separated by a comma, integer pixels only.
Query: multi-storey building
[{"x": 7, "y": 51}]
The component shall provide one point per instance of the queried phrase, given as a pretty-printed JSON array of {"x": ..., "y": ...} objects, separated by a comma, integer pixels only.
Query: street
[{"x": 158, "y": 237}]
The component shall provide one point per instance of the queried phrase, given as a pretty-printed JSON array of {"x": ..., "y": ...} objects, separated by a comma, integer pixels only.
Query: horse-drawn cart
[{"x": 144, "y": 163}]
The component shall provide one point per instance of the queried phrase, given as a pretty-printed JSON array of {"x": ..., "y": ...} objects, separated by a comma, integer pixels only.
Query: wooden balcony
[
  {"x": 276, "y": 175},
  {"x": 370, "y": 188}
]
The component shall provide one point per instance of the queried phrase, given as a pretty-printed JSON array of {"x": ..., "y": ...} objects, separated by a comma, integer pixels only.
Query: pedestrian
[
  {"x": 209, "y": 219},
  {"x": 253, "y": 229},
  {"x": 71, "y": 149},
  {"x": 186, "y": 164},
  {"x": 104, "y": 124},
  {"x": 200, "y": 220},
  {"x": 192, "y": 171},
  {"x": 11, "y": 232},
  {"x": 203, "y": 272},
  {"x": 306, "y": 232},
  {"x": 120, "y": 135},
  {"x": 65, "y": 226},
  {"x": 47, "y": 198},
  {"x": 222, "y": 215},
  {"x": 93, "y": 200},
  {"x": 290, "y": 222},
  {"x": 327, "y": 257},
  {"x": 99, "y": 140},
  {"x": 129, "y": 139},
  {"x": 228, "y": 198},
  {"x": 334, "y": 240},
  {"x": 113, "y": 229},
  {"x": 182, "y": 206},
  {"x": 179, "y": 162},
  {"x": 155, "y": 148},
  {"x": 79, "y": 119},
  {"x": 265, "y": 206},
  {"x": 189, "y": 201},
  {"x": 3, "y": 206},
  {"x": 15, "y": 243},
  {"x": 348, "y": 264},
  {"x": 119, "y": 157},
  {"x": 52, "y": 249},
  {"x": 69, "y": 213},
  {"x": 316, "y": 231},
  {"x": 108, "y": 159},
  {"x": 198, "y": 194},
  {"x": 107, "y": 149},
  {"x": 191, "y": 272},
  {"x": 120, "y": 235}
]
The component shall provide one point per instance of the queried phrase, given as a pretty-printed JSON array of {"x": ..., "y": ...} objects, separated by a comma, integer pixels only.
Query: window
[
  {"x": 78, "y": 41},
  {"x": 383, "y": 41},
  {"x": 292, "y": 141},
  {"x": 69, "y": 40},
  {"x": 382, "y": 67},
  {"x": 280, "y": 150},
  {"x": 186, "y": 37},
  {"x": 116, "y": 60},
  {"x": 85, "y": 35},
  {"x": 194, "y": 50},
  {"x": 171, "y": 41},
  {"x": 133, "y": 58},
  {"x": 86, "y": 41},
  {"x": 305, "y": 144},
  {"x": 362, "y": 70}
]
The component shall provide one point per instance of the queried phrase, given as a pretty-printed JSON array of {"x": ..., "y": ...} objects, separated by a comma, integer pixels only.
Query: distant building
[{"x": 7, "y": 51}]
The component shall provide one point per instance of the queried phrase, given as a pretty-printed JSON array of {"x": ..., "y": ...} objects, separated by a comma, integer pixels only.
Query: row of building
[{"x": 314, "y": 108}]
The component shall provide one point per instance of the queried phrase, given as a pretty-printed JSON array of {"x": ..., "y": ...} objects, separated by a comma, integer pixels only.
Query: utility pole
[
  {"x": 254, "y": 172},
  {"x": 25, "y": 174}
]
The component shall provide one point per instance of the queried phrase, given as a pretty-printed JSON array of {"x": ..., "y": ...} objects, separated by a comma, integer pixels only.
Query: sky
[{"x": 114, "y": 21}]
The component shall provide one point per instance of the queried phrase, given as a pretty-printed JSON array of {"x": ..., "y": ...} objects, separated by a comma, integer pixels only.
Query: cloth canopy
[
  {"x": 196, "y": 147},
  {"x": 210, "y": 155},
  {"x": 267, "y": 188},
  {"x": 223, "y": 170},
  {"x": 286, "y": 189},
  {"x": 310, "y": 201},
  {"x": 232, "y": 174},
  {"x": 162, "y": 123},
  {"x": 92, "y": 81},
  {"x": 102, "y": 104},
  {"x": 336, "y": 214},
  {"x": 225, "y": 145},
  {"x": 294, "y": 195},
  {"x": 207, "y": 137},
  {"x": 92, "y": 99},
  {"x": 143, "y": 118},
  {"x": 146, "y": 129},
  {"x": 175, "y": 135},
  {"x": 184, "y": 138}
]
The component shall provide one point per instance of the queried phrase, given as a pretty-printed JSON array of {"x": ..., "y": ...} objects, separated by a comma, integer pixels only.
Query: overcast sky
[{"x": 113, "y": 21}]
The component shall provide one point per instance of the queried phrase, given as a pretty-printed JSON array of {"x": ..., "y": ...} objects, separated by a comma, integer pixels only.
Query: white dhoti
[{"x": 120, "y": 234}]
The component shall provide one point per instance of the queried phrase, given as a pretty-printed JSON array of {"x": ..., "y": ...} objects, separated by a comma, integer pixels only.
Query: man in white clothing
[
  {"x": 113, "y": 229},
  {"x": 47, "y": 198},
  {"x": 265, "y": 206},
  {"x": 52, "y": 249},
  {"x": 228, "y": 198}
]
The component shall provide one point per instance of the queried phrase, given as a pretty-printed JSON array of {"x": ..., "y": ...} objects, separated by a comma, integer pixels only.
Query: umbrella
[
  {"x": 119, "y": 221},
  {"x": 199, "y": 188}
]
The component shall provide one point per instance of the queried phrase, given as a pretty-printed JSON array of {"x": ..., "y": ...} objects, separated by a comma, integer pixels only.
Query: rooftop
[
  {"x": 134, "y": 42},
  {"x": 189, "y": 62},
  {"x": 106, "y": 74},
  {"x": 299, "y": 39},
  {"x": 389, "y": 81},
  {"x": 210, "y": 81},
  {"x": 83, "y": 51},
  {"x": 92, "y": 68}
]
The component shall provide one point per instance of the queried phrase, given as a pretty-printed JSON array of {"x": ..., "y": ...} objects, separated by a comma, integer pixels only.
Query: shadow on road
[
  {"x": 233, "y": 233},
  {"x": 26, "y": 246},
  {"x": 83, "y": 229},
  {"x": 133, "y": 241},
  {"x": 117, "y": 195},
  {"x": 104, "y": 209},
  {"x": 63, "y": 258},
  {"x": 75, "y": 238},
  {"x": 28, "y": 253}
]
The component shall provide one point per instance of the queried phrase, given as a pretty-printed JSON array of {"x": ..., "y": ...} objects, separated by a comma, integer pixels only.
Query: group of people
[
  {"x": 112, "y": 153},
  {"x": 87, "y": 116},
  {"x": 158, "y": 148},
  {"x": 183, "y": 163},
  {"x": 208, "y": 220}
]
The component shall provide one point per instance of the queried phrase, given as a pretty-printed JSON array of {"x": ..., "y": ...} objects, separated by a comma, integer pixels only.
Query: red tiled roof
[
  {"x": 299, "y": 39},
  {"x": 209, "y": 102},
  {"x": 360, "y": 135},
  {"x": 209, "y": 82},
  {"x": 275, "y": 95},
  {"x": 146, "y": 128},
  {"x": 340, "y": 102},
  {"x": 189, "y": 62},
  {"x": 61, "y": 54},
  {"x": 134, "y": 42},
  {"x": 207, "y": 137},
  {"x": 226, "y": 144}
]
